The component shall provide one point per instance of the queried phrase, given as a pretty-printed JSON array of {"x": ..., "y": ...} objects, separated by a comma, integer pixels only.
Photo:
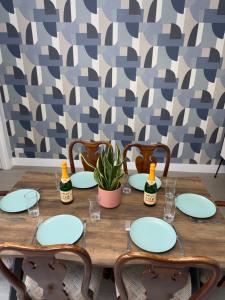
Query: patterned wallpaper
[{"x": 121, "y": 70}]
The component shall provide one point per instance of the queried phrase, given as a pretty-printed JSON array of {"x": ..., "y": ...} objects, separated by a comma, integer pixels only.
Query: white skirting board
[{"x": 42, "y": 162}]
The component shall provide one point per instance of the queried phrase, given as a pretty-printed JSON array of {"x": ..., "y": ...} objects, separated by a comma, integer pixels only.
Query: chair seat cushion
[
  {"x": 136, "y": 290},
  {"x": 72, "y": 281}
]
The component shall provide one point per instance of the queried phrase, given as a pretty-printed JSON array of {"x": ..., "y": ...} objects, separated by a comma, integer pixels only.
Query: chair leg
[
  {"x": 108, "y": 274},
  {"x": 17, "y": 270},
  {"x": 195, "y": 279},
  {"x": 218, "y": 167},
  {"x": 221, "y": 282}
]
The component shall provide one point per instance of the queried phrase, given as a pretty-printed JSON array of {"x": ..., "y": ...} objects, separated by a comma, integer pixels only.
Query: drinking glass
[
  {"x": 169, "y": 208},
  {"x": 126, "y": 186},
  {"x": 57, "y": 180},
  {"x": 94, "y": 209},
  {"x": 170, "y": 186},
  {"x": 32, "y": 203}
]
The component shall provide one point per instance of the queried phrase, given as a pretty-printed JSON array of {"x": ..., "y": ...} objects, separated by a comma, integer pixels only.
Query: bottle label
[
  {"x": 67, "y": 196},
  {"x": 149, "y": 199}
]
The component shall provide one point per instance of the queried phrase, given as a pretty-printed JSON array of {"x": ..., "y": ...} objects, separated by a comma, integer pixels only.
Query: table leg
[{"x": 17, "y": 270}]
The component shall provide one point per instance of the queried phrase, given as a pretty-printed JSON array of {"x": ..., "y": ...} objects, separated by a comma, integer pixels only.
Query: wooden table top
[{"x": 107, "y": 239}]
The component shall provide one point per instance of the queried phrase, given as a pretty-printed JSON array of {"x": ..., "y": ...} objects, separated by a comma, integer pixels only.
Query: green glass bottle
[
  {"x": 66, "y": 188},
  {"x": 150, "y": 189}
]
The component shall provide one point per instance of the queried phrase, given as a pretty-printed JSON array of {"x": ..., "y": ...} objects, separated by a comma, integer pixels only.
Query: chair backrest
[
  {"x": 163, "y": 275},
  {"x": 41, "y": 265},
  {"x": 91, "y": 153},
  {"x": 143, "y": 160},
  {"x": 3, "y": 193}
]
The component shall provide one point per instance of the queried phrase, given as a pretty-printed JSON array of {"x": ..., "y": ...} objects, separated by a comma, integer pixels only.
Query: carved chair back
[
  {"x": 3, "y": 193},
  {"x": 91, "y": 153},
  {"x": 146, "y": 156},
  {"x": 163, "y": 276},
  {"x": 41, "y": 265}
]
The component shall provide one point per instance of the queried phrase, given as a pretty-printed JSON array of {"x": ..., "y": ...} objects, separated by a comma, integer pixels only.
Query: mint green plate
[
  {"x": 153, "y": 234},
  {"x": 16, "y": 202},
  {"x": 195, "y": 205},
  {"x": 83, "y": 180},
  {"x": 60, "y": 229},
  {"x": 137, "y": 181}
]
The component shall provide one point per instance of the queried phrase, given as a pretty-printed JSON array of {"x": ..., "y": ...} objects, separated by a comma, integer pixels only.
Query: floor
[{"x": 215, "y": 186}]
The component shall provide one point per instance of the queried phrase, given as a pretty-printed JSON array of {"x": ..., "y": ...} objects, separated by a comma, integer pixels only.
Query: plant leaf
[
  {"x": 116, "y": 182},
  {"x": 98, "y": 178},
  {"x": 117, "y": 154},
  {"x": 108, "y": 171},
  {"x": 89, "y": 164},
  {"x": 110, "y": 155},
  {"x": 108, "y": 168},
  {"x": 100, "y": 167}
]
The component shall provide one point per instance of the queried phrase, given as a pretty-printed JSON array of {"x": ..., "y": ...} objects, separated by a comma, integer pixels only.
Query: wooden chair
[
  {"x": 146, "y": 157},
  {"x": 221, "y": 283},
  {"x": 49, "y": 278},
  {"x": 159, "y": 277},
  {"x": 91, "y": 153}
]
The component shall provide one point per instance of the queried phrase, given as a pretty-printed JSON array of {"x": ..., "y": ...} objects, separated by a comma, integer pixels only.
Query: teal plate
[
  {"x": 153, "y": 234},
  {"x": 60, "y": 229},
  {"x": 16, "y": 202},
  {"x": 83, "y": 180},
  {"x": 137, "y": 181},
  {"x": 195, "y": 205}
]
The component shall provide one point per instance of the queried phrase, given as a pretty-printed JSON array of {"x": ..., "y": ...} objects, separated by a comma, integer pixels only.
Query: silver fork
[
  {"x": 32, "y": 188},
  {"x": 127, "y": 228},
  {"x": 40, "y": 220},
  {"x": 84, "y": 233},
  {"x": 196, "y": 220},
  {"x": 181, "y": 247}
]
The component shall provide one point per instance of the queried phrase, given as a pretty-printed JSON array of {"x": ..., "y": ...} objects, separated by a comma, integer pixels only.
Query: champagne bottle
[
  {"x": 150, "y": 189},
  {"x": 66, "y": 189}
]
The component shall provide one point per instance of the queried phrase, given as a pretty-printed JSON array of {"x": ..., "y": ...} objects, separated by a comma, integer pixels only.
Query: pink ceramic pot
[{"x": 109, "y": 199}]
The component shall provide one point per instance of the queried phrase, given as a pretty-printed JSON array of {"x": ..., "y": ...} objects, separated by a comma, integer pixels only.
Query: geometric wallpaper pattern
[{"x": 122, "y": 70}]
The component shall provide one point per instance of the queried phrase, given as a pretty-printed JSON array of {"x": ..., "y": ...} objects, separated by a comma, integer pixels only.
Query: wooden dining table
[{"x": 107, "y": 238}]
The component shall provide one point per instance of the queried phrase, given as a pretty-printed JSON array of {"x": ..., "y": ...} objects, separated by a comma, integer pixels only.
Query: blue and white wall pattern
[{"x": 121, "y": 70}]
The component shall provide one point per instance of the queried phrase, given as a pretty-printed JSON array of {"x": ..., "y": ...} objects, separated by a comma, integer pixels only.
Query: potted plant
[{"x": 108, "y": 173}]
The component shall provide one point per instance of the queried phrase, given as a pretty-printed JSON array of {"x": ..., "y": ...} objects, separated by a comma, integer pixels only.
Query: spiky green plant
[{"x": 108, "y": 170}]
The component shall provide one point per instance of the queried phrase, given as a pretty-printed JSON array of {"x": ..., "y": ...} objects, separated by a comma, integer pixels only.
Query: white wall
[
  {"x": 5, "y": 150},
  {"x": 42, "y": 162}
]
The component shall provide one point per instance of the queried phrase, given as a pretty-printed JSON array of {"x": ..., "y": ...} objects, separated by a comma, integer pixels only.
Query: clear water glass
[
  {"x": 170, "y": 186},
  {"x": 126, "y": 186},
  {"x": 169, "y": 208},
  {"x": 32, "y": 203},
  {"x": 57, "y": 179},
  {"x": 94, "y": 209}
]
